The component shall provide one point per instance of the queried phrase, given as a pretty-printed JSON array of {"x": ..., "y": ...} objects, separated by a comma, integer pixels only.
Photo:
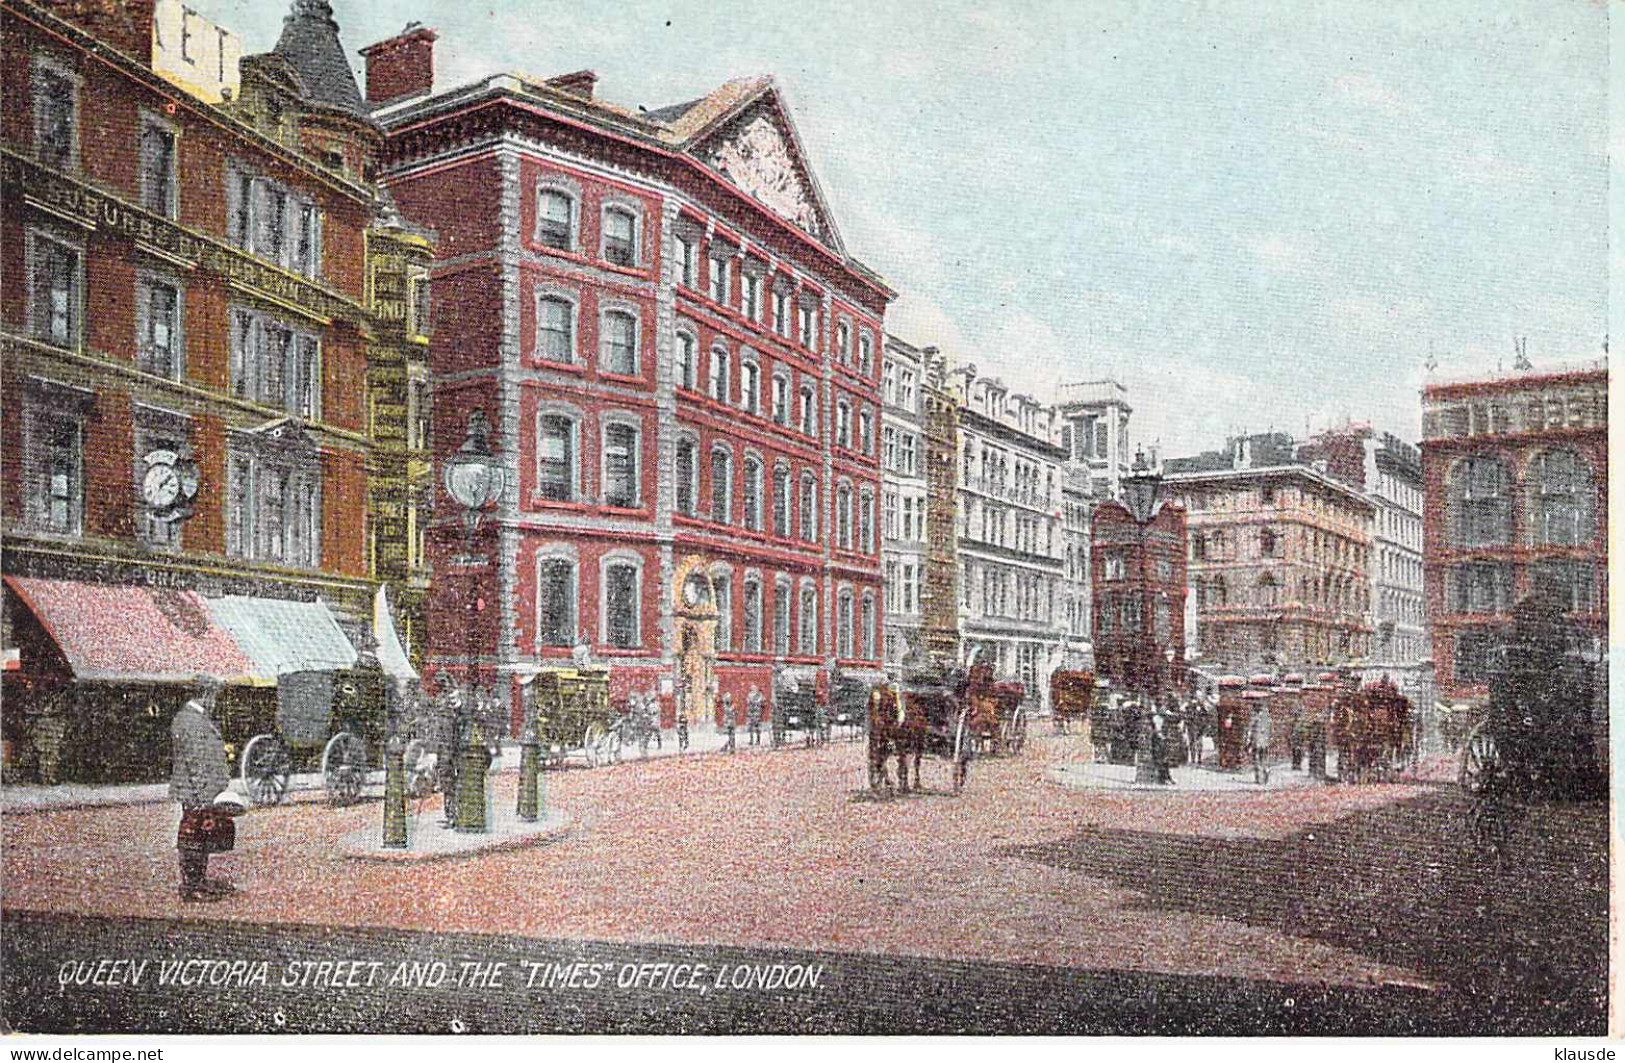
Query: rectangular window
[
  {"x": 620, "y": 238},
  {"x": 725, "y": 612},
  {"x": 685, "y": 360},
  {"x": 809, "y": 325},
  {"x": 719, "y": 374},
  {"x": 843, "y": 425},
  {"x": 781, "y": 502},
  {"x": 555, "y": 603},
  {"x": 749, "y": 387},
  {"x": 56, "y": 293},
  {"x": 781, "y": 311},
  {"x": 620, "y": 344},
  {"x": 809, "y": 510},
  {"x": 56, "y": 133},
  {"x": 621, "y": 606},
  {"x": 721, "y": 486},
  {"x": 555, "y": 447},
  {"x": 751, "y": 295},
  {"x": 906, "y": 455},
  {"x": 160, "y": 319},
  {"x": 888, "y": 448},
  {"x": 888, "y": 515},
  {"x": 620, "y": 465},
  {"x": 61, "y": 475},
  {"x": 752, "y": 495},
  {"x": 556, "y": 319},
  {"x": 866, "y": 348},
  {"x": 905, "y": 389},
  {"x": 688, "y": 262},
  {"x": 809, "y": 412},
  {"x": 158, "y": 169},
  {"x": 809, "y": 622},
  {"x": 781, "y": 400}
]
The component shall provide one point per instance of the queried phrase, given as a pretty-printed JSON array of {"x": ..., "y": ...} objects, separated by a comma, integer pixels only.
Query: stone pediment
[{"x": 759, "y": 153}]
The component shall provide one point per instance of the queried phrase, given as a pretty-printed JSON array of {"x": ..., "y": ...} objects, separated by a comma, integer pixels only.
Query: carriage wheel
[
  {"x": 344, "y": 768},
  {"x": 1017, "y": 737},
  {"x": 1479, "y": 761},
  {"x": 265, "y": 768},
  {"x": 961, "y": 763},
  {"x": 591, "y": 742}
]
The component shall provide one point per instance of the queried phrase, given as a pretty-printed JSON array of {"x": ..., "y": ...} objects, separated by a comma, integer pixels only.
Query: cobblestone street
[{"x": 786, "y": 849}]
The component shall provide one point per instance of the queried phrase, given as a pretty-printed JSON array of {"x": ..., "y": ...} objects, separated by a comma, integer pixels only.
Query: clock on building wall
[
  {"x": 169, "y": 484},
  {"x": 696, "y": 591}
]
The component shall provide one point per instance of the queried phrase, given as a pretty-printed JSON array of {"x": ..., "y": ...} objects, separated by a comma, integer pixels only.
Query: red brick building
[
  {"x": 183, "y": 343},
  {"x": 1515, "y": 483},
  {"x": 681, "y": 364},
  {"x": 1137, "y": 580}
]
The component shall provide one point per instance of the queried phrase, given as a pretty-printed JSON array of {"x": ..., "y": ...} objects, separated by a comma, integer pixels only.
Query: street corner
[{"x": 428, "y": 839}]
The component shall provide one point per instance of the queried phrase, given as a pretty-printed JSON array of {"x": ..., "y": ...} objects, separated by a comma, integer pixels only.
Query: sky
[{"x": 1254, "y": 215}]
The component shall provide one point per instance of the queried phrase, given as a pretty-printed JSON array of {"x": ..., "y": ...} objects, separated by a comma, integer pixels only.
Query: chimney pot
[{"x": 580, "y": 83}]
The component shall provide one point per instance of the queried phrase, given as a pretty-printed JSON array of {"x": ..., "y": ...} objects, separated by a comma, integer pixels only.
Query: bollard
[
  {"x": 395, "y": 793},
  {"x": 473, "y": 760},
  {"x": 529, "y": 770}
]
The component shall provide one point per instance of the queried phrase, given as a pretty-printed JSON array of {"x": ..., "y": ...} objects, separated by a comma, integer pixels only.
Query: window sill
[
  {"x": 623, "y": 511},
  {"x": 558, "y": 505},
  {"x": 624, "y": 378},
  {"x": 619, "y": 651},
  {"x": 557, "y": 366}
]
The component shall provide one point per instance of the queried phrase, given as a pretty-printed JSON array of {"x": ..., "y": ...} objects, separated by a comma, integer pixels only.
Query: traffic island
[{"x": 428, "y": 840}]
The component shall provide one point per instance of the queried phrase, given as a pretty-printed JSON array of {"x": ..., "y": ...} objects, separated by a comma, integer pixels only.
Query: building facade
[
  {"x": 1515, "y": 497},
  {"x": 1138, "y": 576},
  {"x": 682, "y": 365},
  {"x": 1011, "y": 546},
  {"x": 183, "y": 342},
  {"x": 1077, "y": 592},
  {"x": 1279, "y": 557},
  {"x": 939, "y": 608},
  {"x": 1094, "y": 418},
  {"x": 905, "y": 492}
]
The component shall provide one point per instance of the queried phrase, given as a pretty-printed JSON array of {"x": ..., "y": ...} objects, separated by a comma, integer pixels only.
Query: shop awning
[
  {"x": 142, "y": 634},
  {"x": 281, "y": 636},
  {"x": 391, "y": 654}
]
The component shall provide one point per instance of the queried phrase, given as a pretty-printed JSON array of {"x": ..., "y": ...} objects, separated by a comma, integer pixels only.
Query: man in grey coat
[
  {"x": 197, "y": 776},
  {"x": 1258, "y": 741}
]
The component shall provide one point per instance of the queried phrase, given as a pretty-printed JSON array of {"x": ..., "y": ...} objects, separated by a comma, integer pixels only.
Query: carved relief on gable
[{"x": 761, "y": 162}]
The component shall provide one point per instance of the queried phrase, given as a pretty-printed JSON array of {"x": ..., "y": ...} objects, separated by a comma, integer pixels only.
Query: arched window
[
  {"x": 781, "y": 501},
  {"x": 722, "y": 584},
  {"x": 556, "y": 477},
  {"x": 622, "y": 609},
  {"x": 1218, "y": 591},
  {"x": 687, "y": 356},
  {"x": 1560, "y": 493},
  {"x": 1481, "y": 502},
  {"x": 750, "y": 385},
  {"x": 555, "y": 219},
  {"x": 620, "y": 236},
  {"x": 753, "y": 614},
  {"x": 807, "y": 643},
  {"x": 809, "y": 508},
  {"x": 843, "y": 342},
  {"x": 619, "y": 353},
  {"x": 843, "y": 624},
  {"x": 620, "y": 465},
  {"x": 843, "y": 516},
  {"x": 781, "y": 616},
  {"x": 556, "y": 600},
  {"x": 719, "y": 374},
  {"x": 686, "y": 474},
  {"x": 809, "y": 410},
  {"x": 555, "y": 329},
  {"x": 751, "y": 495},
  {"x": 866, "y": 521},
  {"x": 721, "y": 486},
  {"x": 869, "y": 625},
  {"x": 1266, "y": 590}
]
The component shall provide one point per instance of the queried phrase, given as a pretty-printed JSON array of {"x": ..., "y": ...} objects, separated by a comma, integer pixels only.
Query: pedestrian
[
  {"x": 198, "y": 776},
  {"x": 728, "y": 745},
  {"x": 1159, "y": 745},
  {"x": 682, "y": 721},
  {"x": 820, "y": 717},
  {"x": 1258, "y": 740},
  {"x": 753, "y": 714}
]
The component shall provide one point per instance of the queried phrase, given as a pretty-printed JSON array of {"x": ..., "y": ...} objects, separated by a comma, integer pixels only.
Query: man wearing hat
[{"x": 197, "y": 776}]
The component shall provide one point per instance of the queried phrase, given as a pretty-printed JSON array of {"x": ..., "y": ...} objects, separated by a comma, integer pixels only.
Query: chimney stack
[
  {"x": 579, "y": 83},
  {"x": 401, "y": 66}
]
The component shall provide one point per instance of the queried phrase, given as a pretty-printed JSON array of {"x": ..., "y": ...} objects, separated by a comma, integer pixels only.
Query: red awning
[{"x": 149, "y": 634}]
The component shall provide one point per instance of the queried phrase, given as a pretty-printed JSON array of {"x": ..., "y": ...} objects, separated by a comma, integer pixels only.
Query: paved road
[{"x": 1174, "y": 910}]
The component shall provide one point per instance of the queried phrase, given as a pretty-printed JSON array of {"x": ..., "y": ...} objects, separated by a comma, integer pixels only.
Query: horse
[{"x": 907, "y": 725}]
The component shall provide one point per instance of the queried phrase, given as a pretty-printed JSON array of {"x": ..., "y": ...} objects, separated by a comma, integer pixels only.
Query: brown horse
[{"x": 909, "y": 724}]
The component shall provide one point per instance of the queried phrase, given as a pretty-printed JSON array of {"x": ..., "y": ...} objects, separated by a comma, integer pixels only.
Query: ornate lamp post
[
  {"x": 1142, "y": 492},
  {"x": 473, "y": 477}
]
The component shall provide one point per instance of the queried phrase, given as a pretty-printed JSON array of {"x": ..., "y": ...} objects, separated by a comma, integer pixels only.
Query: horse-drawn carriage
[
  {"x": 571, "y": 711},
  {"x": 1373, "y": 730},
  {"x": 328, "y": 721},
  {"x": 1539, "y": 739},
  {"x": 997, "y": 712},
  {"x": 1071, "y": 699},
  {"x": 925, "y": 713},
  {"x": 795, "y": 712}
]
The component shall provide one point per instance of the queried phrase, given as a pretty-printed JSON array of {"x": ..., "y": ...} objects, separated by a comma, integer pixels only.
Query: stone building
[
  {"x": 904, "y": 496},
  {"x": 1094, "y": 417},
  {"x": 1139, "y": 586},
  {"x": 1515, "y": 498},
  {"x": 1011, "y": 542},
  {"x": 681, "y": 363},
  {"x": 1279, "y": 557}
]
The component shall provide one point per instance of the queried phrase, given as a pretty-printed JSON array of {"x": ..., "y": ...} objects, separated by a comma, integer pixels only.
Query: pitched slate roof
[{"x": 310, "y": 42}]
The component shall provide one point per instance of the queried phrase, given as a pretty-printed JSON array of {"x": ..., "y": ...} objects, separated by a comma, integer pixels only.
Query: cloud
[
  {"x": 921, "y": 321},
  {"x": 1367, "y": 91}
]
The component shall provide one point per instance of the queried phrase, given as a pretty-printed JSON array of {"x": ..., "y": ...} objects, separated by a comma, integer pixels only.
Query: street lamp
[
  {"x": 473, "y": 477},
  {"x": 1142, "y": 491}
]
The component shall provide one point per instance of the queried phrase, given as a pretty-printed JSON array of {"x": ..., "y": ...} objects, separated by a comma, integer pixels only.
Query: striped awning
[
  {"x": 139, "y": 634},
  {"x": 281, "y": 636}
]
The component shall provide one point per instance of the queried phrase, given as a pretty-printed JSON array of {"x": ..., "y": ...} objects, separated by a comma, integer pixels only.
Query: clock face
[
  {"x": 695, "y": 591},
  {"x": 161, "y": 487}
]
